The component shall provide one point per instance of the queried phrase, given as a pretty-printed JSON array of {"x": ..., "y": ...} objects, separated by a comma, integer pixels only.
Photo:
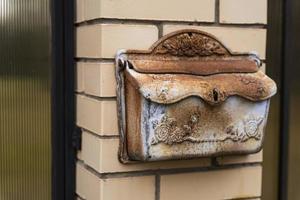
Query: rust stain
[
  {"x": 170, "y": 88},
  {"x": 196, "y": 67}
]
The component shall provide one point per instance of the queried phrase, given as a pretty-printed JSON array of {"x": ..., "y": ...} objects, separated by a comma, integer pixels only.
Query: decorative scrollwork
[{"x": 191, "y": 44}]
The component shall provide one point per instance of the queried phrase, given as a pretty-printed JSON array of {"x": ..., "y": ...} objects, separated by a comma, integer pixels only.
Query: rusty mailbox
[{"x": 189, "y": 96}]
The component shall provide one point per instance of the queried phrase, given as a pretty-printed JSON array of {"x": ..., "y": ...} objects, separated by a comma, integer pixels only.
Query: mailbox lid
[
  {"x": 203, "y": 66},
  {"x": 214, "y": 89}
]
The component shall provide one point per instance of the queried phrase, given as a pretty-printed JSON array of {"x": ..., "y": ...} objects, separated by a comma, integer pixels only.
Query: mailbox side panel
[{"x": 134, "y": 138}]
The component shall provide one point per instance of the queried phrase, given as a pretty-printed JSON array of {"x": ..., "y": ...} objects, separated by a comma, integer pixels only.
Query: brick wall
[{"x": 103, "y": 27}]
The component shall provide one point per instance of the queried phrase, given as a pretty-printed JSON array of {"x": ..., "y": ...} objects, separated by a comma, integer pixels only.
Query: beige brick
[
  {"x": 243, "y": 11},
  {"x": 79, "y": 14},
  {"x": 212, "y": 185},
  {"x": 115, "y": 37},
  {"x": 80, "y": 180},
  {"x": 203, "y": 10},
  {"x": 103, "y": 40},
  {"x": 102, "y": 155},
  {"x": 91, "y": 9},
  {"x": 96, "y": 79},
  {"x": 257, "y": 157},
  {"x": 79, "y": 77},
  {"x": 91, "y": 187},
  {"x": 240, "y": 40},
  {"x": 91, "y": 149},
  {"x": 88, "y": 113},
  {"x": 100, "y": 79},
  {"x": 98, "y": 116},
  {"x": 79, "y": 155},
  {"x": 88, "y": 41},
  {"x": 87, "y": 184},
  {"x": 131, "y": 188},
  {"x": 263, "y": 68}
]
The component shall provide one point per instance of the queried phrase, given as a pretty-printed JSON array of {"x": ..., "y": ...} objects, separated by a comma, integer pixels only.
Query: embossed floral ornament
[
  {"x": 251, "y": 126},
  {"x": 168, "y": 132},
  {"x": 191, "y": 44},
  {"x": 162, "y": 130}
]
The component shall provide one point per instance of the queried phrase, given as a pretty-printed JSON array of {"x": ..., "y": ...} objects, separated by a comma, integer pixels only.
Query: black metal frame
[
  {"x": 290, "y": 29},
  {"x": 284, "y": 108},
  {"x": 280, "y": 51},
  {"x": 63, "y": 101},
  {"x": 274, "y": 70},
  {"x": 290, "y": 17}
]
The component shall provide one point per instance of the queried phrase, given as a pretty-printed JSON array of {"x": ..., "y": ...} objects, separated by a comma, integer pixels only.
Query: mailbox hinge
[{"x": 76, "y": 138}]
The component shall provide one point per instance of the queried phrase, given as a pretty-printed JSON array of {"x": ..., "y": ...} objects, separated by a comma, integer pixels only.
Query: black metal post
[{"x": 63, "y": 105}]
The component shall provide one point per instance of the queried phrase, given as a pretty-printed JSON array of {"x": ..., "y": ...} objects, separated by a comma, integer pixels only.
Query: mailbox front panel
[{"x": 193, "y": 128}]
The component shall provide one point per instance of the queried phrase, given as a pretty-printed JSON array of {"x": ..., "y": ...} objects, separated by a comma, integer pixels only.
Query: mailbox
[{"x": 189, "y": 96}]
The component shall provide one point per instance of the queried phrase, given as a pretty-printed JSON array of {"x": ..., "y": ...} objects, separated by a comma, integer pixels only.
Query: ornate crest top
[
  {"x": 189, "y": 51},
  {"x": 190, "y": 43}
]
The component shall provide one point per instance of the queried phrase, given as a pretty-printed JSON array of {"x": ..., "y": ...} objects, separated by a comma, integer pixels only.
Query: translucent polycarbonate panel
[{"x": 25, "y": 112}]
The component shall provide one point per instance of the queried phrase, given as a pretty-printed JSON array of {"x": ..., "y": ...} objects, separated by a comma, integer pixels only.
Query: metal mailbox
[{"x": 189, "y": 96}]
